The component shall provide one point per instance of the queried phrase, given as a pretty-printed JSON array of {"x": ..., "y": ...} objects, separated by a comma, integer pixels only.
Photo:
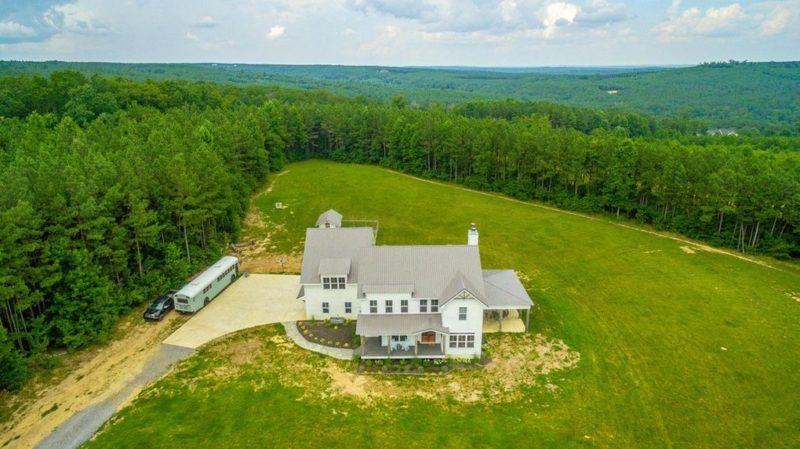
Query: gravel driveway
[
  {"x": 250, "y": 301},
  {"x": 81, "y": 426}
]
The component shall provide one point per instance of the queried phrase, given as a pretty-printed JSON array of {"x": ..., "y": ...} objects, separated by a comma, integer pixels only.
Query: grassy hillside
[
  {"x": 679, "y": 346},
  {"x": 754, "y": 95}
]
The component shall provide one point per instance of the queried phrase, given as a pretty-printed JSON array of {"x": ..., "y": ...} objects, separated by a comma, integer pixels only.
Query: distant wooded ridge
[{"x": 749, "y": 97}]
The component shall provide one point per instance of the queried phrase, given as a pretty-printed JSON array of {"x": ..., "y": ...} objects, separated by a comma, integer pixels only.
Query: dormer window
[{"x": 333, "y": 282}]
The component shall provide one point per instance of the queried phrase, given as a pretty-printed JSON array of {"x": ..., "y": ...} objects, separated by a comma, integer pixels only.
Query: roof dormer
[{"x": 330, "y": 219}]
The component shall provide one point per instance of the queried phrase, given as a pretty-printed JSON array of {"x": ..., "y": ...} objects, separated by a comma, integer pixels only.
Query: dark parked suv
[{"x": 160, "y": 307}]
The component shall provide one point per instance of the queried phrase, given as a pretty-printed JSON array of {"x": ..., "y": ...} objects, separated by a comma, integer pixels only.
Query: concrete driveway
[{"x": 250, "y": 301}]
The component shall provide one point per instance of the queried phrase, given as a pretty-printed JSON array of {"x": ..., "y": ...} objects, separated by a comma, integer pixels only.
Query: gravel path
[
  {"x": 80, "y": 427},
  {"x": 337, "y": 353}
]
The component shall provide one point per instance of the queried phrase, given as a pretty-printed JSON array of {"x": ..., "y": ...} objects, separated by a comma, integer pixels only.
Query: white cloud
[
  {"x": 275, "y": 32},
  {"x": 205, "y": 22},
  {"x": 776, "y": 21},
  {"x": 557, "y": 15},
  {"x": 74, "y": 18},
  {"x": 602, "y": 12},
  {"x": 10, "y": 30},
  {"x": 674, "y": 8},
  {"x": 191, "y": 36},
  {"x": 713, "y": 22},
  {"x": 390, "y": 32},
  {"x": 508, "y": 17}
]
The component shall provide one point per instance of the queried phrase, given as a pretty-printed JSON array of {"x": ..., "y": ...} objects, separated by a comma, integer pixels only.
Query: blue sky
[{"x": 401, "y": 32}]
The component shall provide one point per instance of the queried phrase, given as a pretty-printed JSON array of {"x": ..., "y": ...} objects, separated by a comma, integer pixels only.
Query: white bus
[{"x": 202, "y": 289}]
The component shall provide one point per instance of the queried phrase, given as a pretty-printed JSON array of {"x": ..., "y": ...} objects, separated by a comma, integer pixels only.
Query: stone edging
[{"x": 293, "y": 333}]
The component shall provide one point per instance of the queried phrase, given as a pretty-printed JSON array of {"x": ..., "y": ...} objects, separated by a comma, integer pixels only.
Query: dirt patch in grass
[
  {"x": 687, "y": 250},
  {"x": 517, "y": 361},
  {"x": 268, "y": 263},
  {"x": 93, "y": 376}
]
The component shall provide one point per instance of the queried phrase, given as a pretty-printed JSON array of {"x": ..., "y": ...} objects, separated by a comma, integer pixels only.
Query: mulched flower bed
[{"x": 330, "y": 334}]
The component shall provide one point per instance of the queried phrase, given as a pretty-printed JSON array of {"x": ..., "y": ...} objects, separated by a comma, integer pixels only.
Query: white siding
[
  {"x": 315, "y": 295},
  {"x": 382, "y": 297},
  {"x": 472, "y": 325},
  {"x": 413, "y": 303}
]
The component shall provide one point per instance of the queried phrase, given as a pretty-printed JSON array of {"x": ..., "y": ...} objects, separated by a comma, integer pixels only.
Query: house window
[
  {"x": 423, "y": 305},
  {"x": 388, "y": 306},
  {"x": 403, "y": 306},
  {"x": 435, "y": 305},
  {"x": 326, "y": 307},
  {"x": 333, "y": 283},
  {"x": 373, "y": 306},
  {"x": 348, "y": 307},
  {"x": 462, "y": 313},
  {"x": 462, "y": 341}
]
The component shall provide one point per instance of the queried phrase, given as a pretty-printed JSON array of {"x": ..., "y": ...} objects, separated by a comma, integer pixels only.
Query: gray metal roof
[
  {"x": 330, "y": 216},
  {"x": 388, "y": 288},
  {"x": 504, "y": 290},
  {"x": 334, "y": 266},
  {"x": 375, "y": 325},
  {"x": 332, "y": 243},
  {"x": 431, "y": 269}
]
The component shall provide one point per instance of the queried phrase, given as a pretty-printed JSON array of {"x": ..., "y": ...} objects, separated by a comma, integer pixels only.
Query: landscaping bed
[
  {"x": 327, "y": 333},
  {"x": 418, "y": 366}
]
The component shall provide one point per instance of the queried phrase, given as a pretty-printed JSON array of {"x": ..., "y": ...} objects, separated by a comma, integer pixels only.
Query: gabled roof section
[
  {"x": 334, "y": 266},
  {"x": 430, "y": 269},
  {"x": 375, "y": 325},
  {"x": 333, "y": 243},
  {"x": 459, "y": 288},
  {"x": 330, "y": 216},
  {"x": 504, "y": 290}
]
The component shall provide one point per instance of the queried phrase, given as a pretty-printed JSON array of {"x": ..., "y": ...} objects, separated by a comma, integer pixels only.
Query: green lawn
[{"x": 649, "y": 320}]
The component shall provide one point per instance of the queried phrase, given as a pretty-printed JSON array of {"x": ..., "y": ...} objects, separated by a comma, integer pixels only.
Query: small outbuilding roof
[
  {"x": 504, "y": 290},
  {"x": 375, "y": 325},
  {"x": 330, "y": 216}
]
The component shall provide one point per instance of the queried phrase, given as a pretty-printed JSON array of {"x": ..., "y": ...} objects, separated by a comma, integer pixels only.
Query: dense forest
[
  {"x": 753, "y": 98},
  {"x": 116, "y": 189}
]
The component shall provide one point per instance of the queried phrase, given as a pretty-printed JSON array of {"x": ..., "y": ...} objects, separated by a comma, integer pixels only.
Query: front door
[{"x": 429, "y": 338}]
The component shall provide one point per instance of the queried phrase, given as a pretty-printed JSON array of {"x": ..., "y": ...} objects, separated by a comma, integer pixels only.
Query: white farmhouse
[{"x": 409, "y": 301}]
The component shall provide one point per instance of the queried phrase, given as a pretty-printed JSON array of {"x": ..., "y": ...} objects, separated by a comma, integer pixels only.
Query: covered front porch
[
  {"x": 373, "y": 348},
  {"x": 401, "y": 336}
]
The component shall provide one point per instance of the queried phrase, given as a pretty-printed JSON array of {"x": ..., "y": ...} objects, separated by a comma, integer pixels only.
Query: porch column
[
  {"x": 363, "y": 345},
  {"x": 528, "y": 320},
  {"x": 388, "y": 345}
]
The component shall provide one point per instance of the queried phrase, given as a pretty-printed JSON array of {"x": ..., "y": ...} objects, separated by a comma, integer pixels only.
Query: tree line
[{"x": 115, "y": 190}]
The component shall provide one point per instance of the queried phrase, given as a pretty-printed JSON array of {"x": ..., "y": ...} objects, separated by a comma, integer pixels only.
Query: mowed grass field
[{"x": 677, "y": 349}]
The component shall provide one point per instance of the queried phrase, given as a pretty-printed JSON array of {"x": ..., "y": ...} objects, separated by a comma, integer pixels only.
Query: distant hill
[{"x": 747, "y": 97}]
